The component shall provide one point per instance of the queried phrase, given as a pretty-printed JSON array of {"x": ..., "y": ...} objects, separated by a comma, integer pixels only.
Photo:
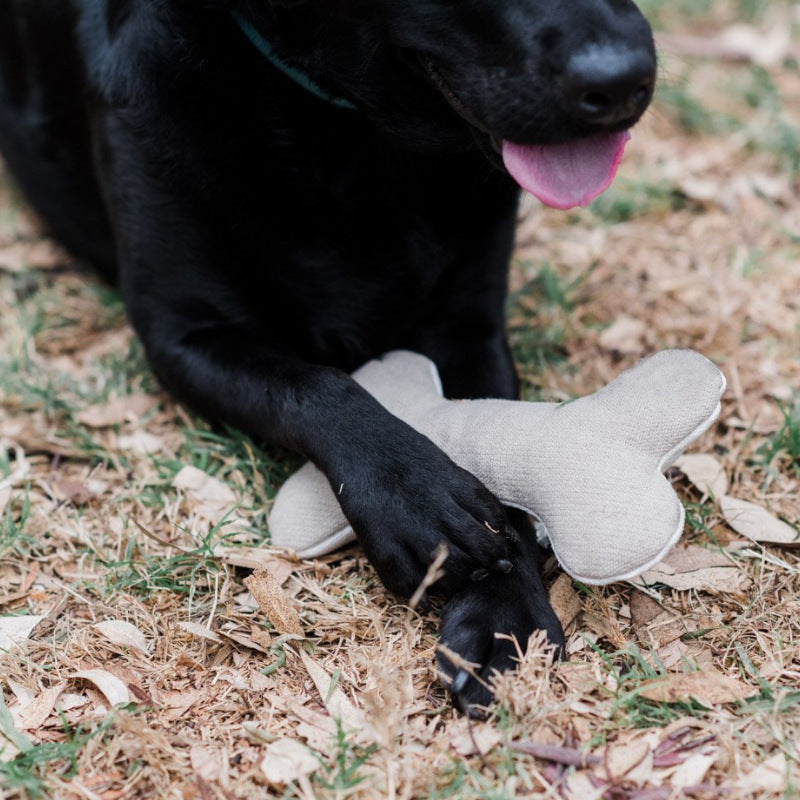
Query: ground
[{"x": 148, "y": 664}]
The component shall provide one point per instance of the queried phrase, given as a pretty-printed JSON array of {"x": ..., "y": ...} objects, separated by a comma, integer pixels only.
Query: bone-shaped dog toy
[{"x": 591, "y": 470}]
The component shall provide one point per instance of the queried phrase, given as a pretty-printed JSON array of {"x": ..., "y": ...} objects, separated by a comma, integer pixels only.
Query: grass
[
  {"x": 32, "y": 772},
  {"x": 781, "y": 451}
]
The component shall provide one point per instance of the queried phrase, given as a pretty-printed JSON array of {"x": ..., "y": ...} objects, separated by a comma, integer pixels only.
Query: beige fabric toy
[{"x": 590, "y": 470}]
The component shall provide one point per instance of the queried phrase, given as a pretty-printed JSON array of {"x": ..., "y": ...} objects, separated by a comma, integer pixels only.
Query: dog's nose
[{"x": 605, "y": 85}]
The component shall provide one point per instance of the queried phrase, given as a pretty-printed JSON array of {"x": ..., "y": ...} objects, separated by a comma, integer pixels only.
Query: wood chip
[{"x": 274, "y": 603}]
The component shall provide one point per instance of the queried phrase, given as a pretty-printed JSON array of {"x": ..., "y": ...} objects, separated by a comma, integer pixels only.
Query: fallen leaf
[
  {"x": 767, "y": 49},
  {"x": 757, "y": 523},
  {"x": 205, "y": 762},
  {"x": 117, "y": 411},
  {"x": 34, "y": 715},
  {"x": 708, "y": 687},
  {"x": 140, "y": 442},
  {"x": 692, "y": 771},
  {"x": 209, "y": 497},
  {"x": 771, "y": 776},
  {"x": 475, "y": 740},
  {"x": 564, "y": 600},
  {"x": 620, "y": 759},
  {"x": 123, "y": 634},
  {"x": 200, "y": 631},
  {"x": 334, "y": 699},
  {"x": 705, "y": 472},
  {"x": 695, "y": 567},
  {"x": 625, "y": 335},
  {"x": 16, "y": 629},
  {"x": 68, "y": 700},
  {"x": 256, "y": 558},
  {"x": 113, "y": 689},
  {"x": 77, "y": 492},
  {"x": 287, "y": 760},
  {"x": 273, "y": 602}
]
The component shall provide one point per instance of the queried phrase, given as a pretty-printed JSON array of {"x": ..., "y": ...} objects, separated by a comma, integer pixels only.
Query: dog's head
[{"x": 553, "y": 85}]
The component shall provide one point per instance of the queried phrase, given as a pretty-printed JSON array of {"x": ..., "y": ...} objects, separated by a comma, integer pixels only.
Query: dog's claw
[{"x": 459, "y": 681}]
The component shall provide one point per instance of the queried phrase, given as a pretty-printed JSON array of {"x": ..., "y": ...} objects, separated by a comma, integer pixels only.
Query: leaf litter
[{"x": 176, "y": 675}]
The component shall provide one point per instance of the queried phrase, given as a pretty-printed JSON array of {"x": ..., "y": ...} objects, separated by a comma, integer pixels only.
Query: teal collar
[{"x": 300, "y": 78}]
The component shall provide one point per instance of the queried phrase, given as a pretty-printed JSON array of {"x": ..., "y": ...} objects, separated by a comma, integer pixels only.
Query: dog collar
[{"x": 300, "y": 78}]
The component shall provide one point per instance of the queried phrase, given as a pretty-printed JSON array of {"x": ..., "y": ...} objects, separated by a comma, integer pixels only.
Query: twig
[{"x": 568, "y": 756}]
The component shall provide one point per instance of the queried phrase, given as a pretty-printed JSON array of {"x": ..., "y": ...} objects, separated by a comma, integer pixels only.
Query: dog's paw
[
  {"x": 477, "y": 624},
  {"x": 411, "y": 508}
]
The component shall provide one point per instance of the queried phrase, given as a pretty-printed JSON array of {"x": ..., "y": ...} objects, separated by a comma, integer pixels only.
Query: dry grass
[{"x": 698, "y": 244}]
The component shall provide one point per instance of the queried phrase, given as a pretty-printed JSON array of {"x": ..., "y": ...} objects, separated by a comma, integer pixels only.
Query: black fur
[{"x": 267, "y": 242}]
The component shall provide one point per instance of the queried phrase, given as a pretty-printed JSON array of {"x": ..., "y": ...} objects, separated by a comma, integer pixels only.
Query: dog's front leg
[{"x": 402, "y": 495}]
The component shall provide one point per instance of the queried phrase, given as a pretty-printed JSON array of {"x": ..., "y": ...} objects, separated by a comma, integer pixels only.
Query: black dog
[{"x": 287, "y": 188}]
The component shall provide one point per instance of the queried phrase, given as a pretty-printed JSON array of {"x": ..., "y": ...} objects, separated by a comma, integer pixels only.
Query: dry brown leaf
[
  {"x": 620, "y": 759},
  {"x": 333, "y": 698},
  {"x": 209, "y": 497},
  {"x": 705, "y": 472},
  {"x": 757, "y": 523},
  {"x": 625, "y": 335},
  {"x": 476, "y": 739},
  {"x": 256, "y": 558},
  {"x": 16, "y": 629},
  {"x": 36, "y": 713},
  {"x": 140, "y": 442},
  {"x": 708, "y": 687},
  {"x": 273, "y": 602},
  {"x": 113, "y": 689},
  {"x": 287, "y": 760},
  {"x": 695, "y": 567},
  {"x": 206, "y": 762},
  {"x": 771, "y": 776},
  {"x": 117, "y": 411},
  {"x": 565, "y": 600},
  {"x": 693, "y": 771},
  {"x": 765, "y": 48},
  {"x": 123, "y": 634},
  {"x": 200, "y": 631}
]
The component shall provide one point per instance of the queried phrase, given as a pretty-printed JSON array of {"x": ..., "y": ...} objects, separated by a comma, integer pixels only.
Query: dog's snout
[{"x": 606, "y": 85}]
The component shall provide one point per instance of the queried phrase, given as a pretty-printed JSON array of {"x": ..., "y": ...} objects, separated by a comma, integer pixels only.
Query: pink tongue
[{"x": 566, "y": 175}]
